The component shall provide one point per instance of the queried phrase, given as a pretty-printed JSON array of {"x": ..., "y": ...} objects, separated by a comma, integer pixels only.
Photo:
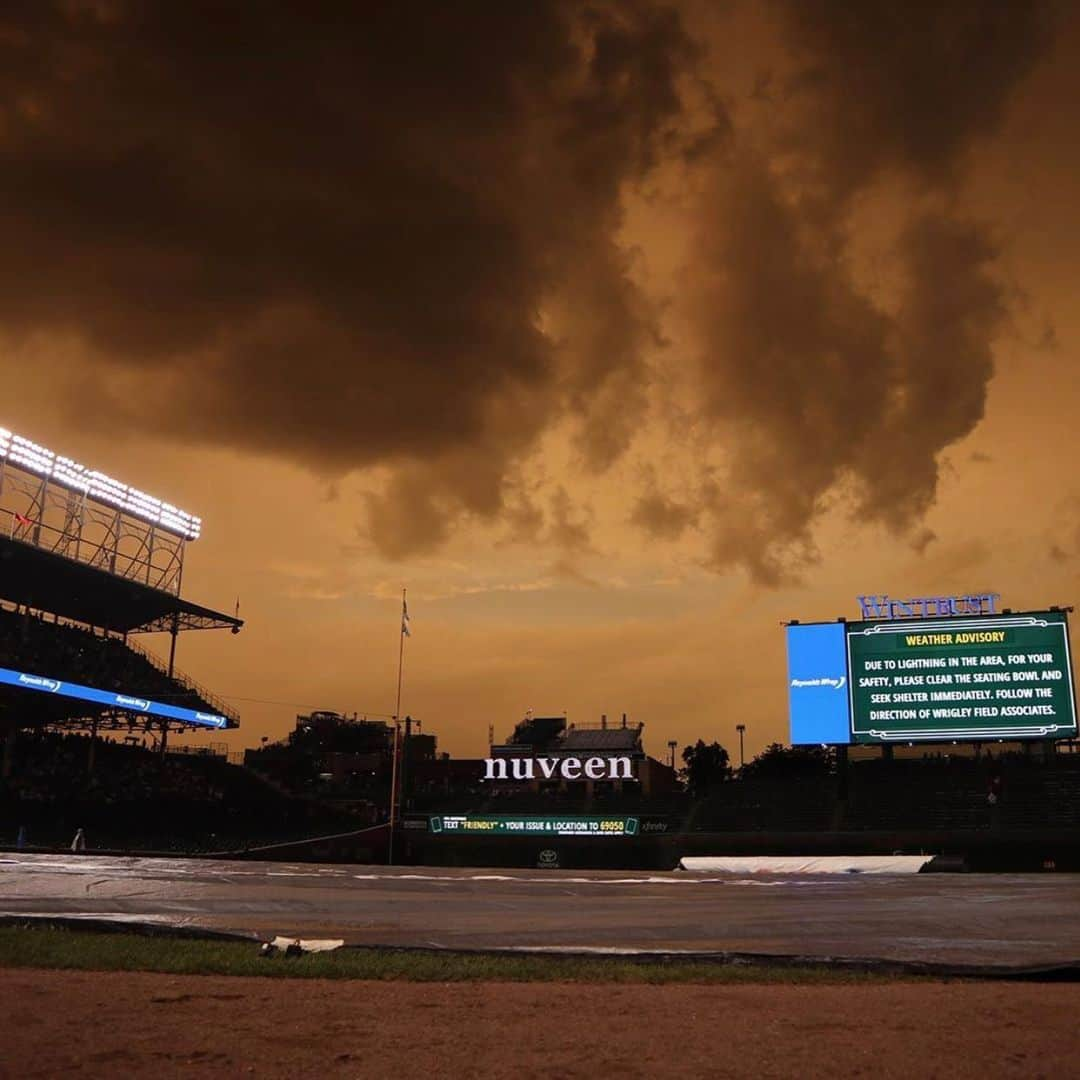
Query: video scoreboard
[{"x": 979, "y": 678}]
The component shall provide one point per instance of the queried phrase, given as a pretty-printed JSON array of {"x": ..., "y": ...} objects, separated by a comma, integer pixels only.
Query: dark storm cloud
[
  {"x": 821, "y": 383},
  {"x": 663, "y": 517},
  {"x": 390, "y": 235},
  {"x": 327, "y": 231},
  {"x": 907, "y": 83}
]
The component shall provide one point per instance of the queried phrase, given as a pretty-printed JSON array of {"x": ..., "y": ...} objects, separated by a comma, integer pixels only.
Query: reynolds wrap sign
[
  {"x": 817, "y": 684},
  {"x": 558, "y": 768}
]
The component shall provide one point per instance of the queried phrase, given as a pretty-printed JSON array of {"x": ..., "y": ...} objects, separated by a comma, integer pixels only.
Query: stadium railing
[{"x": 186, "y": 681}]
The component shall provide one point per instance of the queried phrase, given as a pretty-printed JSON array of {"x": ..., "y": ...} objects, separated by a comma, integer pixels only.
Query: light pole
[
  {"x": 741, "y": 729},
  {"x": 672, "y": 743}
]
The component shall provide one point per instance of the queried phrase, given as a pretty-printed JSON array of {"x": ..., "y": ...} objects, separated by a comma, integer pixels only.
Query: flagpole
[
  {"x": 397, "y": 734},
  {"x": 401, "y": 658}
]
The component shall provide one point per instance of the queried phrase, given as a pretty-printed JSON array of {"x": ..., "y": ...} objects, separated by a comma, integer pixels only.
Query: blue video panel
[
  {"x": 131, "y": 703},
  {"x": 818, "y": 684}
]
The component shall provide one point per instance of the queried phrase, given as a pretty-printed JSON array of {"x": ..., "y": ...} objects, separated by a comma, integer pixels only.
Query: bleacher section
[
  {"x": 1042, "y": 798},
  {"x": 767, "y": 805},
  {"x": 949, "y": 794},
  {"x": 591, "y": 740},
  {"x": 922, "y": 795},
  {"x": 127, "y": 797}
]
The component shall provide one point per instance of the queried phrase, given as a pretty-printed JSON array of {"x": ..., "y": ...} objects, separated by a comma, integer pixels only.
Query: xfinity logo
[
  {"x": 564, "y": 768},
  {"x": 836, "y": 684}
]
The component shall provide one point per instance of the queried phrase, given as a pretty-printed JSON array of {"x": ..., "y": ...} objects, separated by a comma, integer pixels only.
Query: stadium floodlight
[{"x": 96, "y": 485}]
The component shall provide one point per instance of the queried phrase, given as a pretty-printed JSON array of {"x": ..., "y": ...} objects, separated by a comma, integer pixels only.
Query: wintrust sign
[
  {"x": 559, "y": 768},
  {"x": 921, "y": 607}
]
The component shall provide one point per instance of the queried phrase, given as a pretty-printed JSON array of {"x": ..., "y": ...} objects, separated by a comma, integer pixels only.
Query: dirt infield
[{"x": 138, "y": 1024}]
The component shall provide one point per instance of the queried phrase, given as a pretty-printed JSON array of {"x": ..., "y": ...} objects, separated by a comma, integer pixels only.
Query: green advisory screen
[
  {"x": 528, "y": 825},
  {"x": 990, "y": 677}
]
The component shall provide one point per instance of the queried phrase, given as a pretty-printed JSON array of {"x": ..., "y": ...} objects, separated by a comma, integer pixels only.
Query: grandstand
[
  {"x": 86, "y": 564},
  {"x": 127, "y": 796}
]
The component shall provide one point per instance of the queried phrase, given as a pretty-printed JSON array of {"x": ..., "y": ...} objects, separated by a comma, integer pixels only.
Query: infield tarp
[{"x": 811, "y": 864}]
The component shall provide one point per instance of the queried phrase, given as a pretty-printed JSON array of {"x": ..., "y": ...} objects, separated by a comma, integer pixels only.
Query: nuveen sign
[{"x": 558, "y": 768}]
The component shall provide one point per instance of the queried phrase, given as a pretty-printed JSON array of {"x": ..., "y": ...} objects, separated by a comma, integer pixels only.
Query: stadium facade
[
  {"x": 87, "y": 564},
  {"x": 943, "y": 724}
]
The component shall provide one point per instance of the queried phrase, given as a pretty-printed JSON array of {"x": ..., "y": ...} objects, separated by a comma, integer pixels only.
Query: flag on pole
[{"x": 405, "y": 618}]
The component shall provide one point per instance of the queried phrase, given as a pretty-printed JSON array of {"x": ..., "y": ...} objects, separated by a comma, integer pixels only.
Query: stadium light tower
[
  {"x": 672, "y": 743},
  {"x": 95, "y": 485},
  {"x": 52, "y": 502},
  {"x": 741, "y": 729}
]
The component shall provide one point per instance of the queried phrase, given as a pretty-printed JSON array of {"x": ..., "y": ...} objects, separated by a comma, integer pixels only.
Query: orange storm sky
[{"x": 618, "y": 333}]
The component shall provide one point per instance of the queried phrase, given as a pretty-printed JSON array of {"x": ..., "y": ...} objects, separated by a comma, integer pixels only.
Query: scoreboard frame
[{"x": 834, "y": 684}]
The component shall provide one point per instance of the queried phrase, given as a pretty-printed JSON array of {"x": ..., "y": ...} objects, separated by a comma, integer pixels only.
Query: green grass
[{"x": 73, "y": 950}]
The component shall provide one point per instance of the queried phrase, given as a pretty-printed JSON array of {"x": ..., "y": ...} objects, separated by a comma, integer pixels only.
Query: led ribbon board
[
  {"x": 998, "y": 677},
  {"x": 527, "y": 825},
  {"x": 96, "y": 485},
  {"x": 130, "y": 703}
]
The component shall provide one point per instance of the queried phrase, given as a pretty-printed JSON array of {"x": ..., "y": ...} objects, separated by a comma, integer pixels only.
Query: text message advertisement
[
  {"x": 512, "y": 825},
  {"x": 999, "y": 677}
]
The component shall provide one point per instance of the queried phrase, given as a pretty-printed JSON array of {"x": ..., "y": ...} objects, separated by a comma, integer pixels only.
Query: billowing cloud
[
  {"x": 393, "y": 238},
  {"x": 344, "y": 235},
  {"x": 908, "y": 85},
  {"x": 818, "y": 382},
  {"x": 662, "y": 517}
]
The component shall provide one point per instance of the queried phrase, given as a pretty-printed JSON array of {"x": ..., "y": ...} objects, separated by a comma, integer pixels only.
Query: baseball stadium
[
  {"x": 924, "y": 821},
  {"x": 537, "y": 539}
]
